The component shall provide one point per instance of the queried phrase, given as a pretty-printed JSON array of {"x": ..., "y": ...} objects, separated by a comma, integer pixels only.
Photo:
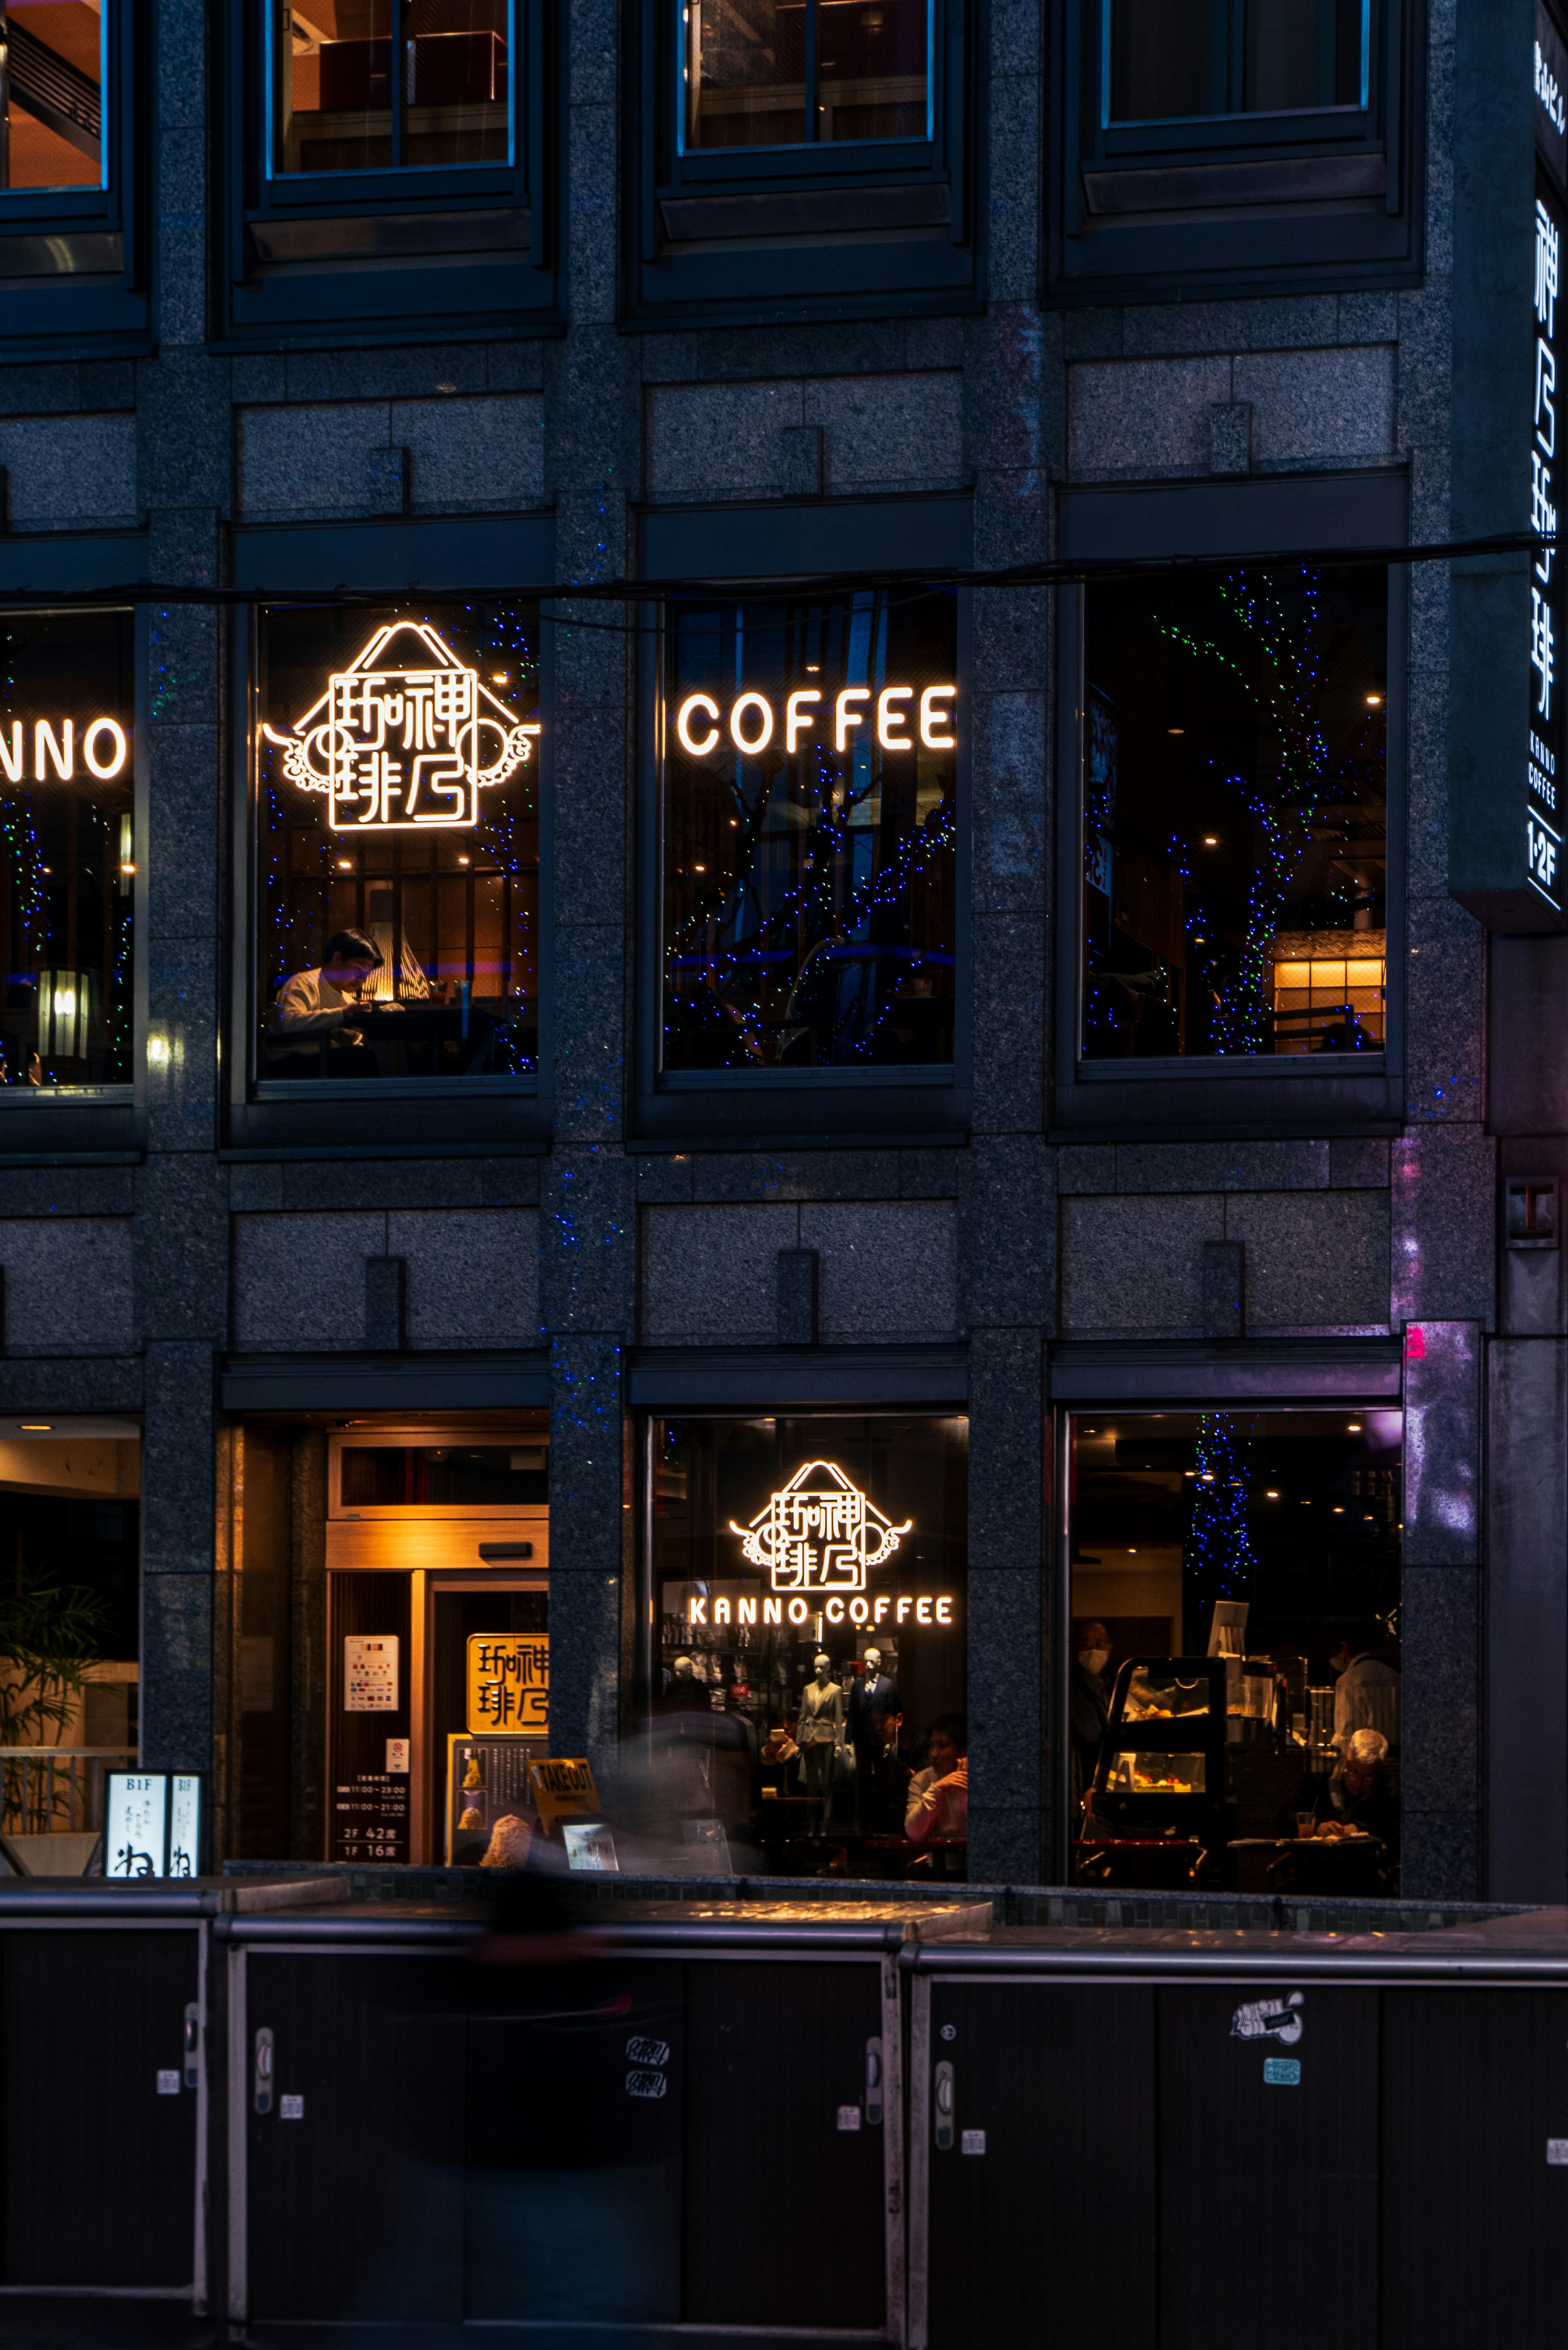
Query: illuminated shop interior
[
  {"x": 1227, "y": 1555},
  {"x": 1235, "y": 825}
]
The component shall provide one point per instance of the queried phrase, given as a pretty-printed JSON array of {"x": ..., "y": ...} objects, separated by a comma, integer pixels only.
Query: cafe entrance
[
  {"x": 437, "y": 1633},
  {"x": 386, "y": 1617}
]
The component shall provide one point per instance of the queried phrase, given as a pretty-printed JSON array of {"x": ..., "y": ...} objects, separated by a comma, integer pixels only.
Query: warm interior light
[
  {"x": 128, "y": 869},
  {"x": 463, "y": 860},
  {"x": 1374, "y": 702},
  {"x": 1353, "y": 1427},
  {"x": 1270, "y": 1497},
  {"x": 500, "y": 677},
  {"x": 1210, "y": 840},
  {"x": 346, "y": 864},
  {"x": 37, "y": 1426},
  {"x": 1176, "y": 730}
]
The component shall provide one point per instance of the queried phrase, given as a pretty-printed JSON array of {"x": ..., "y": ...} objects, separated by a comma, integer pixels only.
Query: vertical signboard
[
  {"x": 152, "y": 1824},
  {"x": 1543, "y": 777}
]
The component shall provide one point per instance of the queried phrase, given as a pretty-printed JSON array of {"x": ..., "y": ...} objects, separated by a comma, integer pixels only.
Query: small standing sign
[{"x": 152, "y": 1824}]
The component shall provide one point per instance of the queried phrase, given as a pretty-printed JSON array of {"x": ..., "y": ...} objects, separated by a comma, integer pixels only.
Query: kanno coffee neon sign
[
  {"x": 818, "y": 1537},
  {"x": 898, "y": 717},
  {"x": 405, "y": 738},
  {"x": 102, "y": 742}
]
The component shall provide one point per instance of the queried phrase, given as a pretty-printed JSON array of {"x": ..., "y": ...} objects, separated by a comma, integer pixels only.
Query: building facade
[{"x": 1088, "y": 389}]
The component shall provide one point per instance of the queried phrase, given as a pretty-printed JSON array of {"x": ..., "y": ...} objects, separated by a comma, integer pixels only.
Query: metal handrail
[{"x": 53, "y": 1790}]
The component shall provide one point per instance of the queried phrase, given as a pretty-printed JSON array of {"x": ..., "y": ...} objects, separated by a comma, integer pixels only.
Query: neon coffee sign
[
  {"x": 104, "y": 750},
  {"x": 405, "y": 738},
  {"x": 819, "y": 1535},
  {"x": 896, "y": 715}
]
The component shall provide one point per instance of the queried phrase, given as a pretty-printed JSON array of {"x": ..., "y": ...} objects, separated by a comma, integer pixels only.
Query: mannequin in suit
[
  {"x": 871, "y": 1693},
  {"x": 820, "y": 1734}
]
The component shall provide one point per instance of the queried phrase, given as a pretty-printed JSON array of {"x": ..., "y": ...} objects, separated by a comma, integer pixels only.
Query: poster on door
[{"x": 371, "y": 1672}]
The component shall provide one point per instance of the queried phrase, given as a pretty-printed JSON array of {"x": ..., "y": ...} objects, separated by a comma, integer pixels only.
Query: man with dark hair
[
  {"x": 938, "y": 1795},
  {"x": 319, "y": 1004}
]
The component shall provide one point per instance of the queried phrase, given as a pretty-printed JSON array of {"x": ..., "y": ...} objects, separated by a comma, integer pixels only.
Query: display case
[{"x": 1162, "y": 1771}]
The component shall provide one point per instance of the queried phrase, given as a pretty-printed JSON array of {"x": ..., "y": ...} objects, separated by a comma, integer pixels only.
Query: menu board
[{"x": 486, "y": 1781}]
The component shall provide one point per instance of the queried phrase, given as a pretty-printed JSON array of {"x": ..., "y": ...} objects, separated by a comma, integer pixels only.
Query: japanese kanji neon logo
[
  {"x": 405, "y": 738},
  {"x": 819, "y": 1533}
]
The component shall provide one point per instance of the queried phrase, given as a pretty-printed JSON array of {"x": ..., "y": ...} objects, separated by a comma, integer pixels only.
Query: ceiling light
[
  {"x": 1210, "y": 840},
  {"x": 1353, "y": 1428},
  {"x": 37, "y": 1426},
  {"x": 1374, "y": 701},
  {"x": 1270, "y": 1497},
  {"x": 1176, "y": 730}
]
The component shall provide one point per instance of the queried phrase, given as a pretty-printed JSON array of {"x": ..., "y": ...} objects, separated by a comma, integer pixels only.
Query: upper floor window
[
  {"x": 793, "y": 72},
  {"x": 1181, "y": 60},
  {"x": 1235, "y": 841},
  {"x": 809, "y": 832},
  {"x": 398, "y": 845},
  {"x": 53, "y": 67},
  {"x": 391, "y": 85},
  {"x": 68, "y": 851}
]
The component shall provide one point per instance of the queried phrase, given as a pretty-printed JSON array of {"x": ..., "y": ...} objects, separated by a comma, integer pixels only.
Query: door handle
[
  {"x": 944, "y": 2107},
  {"x": 261, "y": 2074},
  {"x": 192, "y": 2046},
  {"x": 874, "y": 2083}
]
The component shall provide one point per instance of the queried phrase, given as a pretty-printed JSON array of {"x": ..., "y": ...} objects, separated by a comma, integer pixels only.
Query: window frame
[
  {"x": 349, "y": 1119},
  {"x": 793, "y": 189},
  {"x": 1176, "y": 1099},
  {"x": 916, "y": 1104},
  {"x": 101, "y": 311},
  {"x": 1249, "y": 201},
  {"x": 99, "y": 1124},
  {"x": 1280, "y": 1375},
  {"x": 323, "y": 288}
]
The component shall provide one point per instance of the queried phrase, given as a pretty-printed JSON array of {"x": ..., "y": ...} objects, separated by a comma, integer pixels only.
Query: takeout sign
[{"x": 562, "y": 1788}]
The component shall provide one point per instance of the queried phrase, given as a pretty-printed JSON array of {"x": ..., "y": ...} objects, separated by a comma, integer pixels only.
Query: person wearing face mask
[
  {"x": 1090, "y": 1705},
  {"x": 1367, "y": 1691}
]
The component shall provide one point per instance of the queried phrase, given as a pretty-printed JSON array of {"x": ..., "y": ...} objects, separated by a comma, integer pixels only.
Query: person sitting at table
[
  {"x": 321, "y": 1004},
  {"x": 937, "y": 1801},
  {"x": 1359, "y": 1798}
]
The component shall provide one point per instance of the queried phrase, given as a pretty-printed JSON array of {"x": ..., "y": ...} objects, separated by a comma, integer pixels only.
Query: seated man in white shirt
[
  {"x": 1367, "y": 1691},
  {"x": 937, "y": 1801},
  {"x": 319, "y": 1006}
]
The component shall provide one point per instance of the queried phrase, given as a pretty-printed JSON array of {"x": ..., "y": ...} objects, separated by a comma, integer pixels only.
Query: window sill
[
  {"x": 389, "y": 237},
  {"x": 1208, "y": 187},
  {"x": 1295, "y": 1068},
  {"x": 768, "y": 1081},
  {"x": 807, "y": 212}
]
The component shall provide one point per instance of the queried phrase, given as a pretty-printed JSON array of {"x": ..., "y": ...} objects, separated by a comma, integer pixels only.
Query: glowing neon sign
[
  {"x": 104, "y": 750},
  {"x": 851, "y": 716},
  {"x": 819, "y": 1533},
  {"x": 405, "y": 738}
]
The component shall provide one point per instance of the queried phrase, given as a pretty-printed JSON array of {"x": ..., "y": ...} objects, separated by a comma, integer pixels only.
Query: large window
[
  {"x": 809, "y": 823},
  {"x": 68, "y": 851},
  {"x": 51, "y": 94},
  {"x": 387, "y": 85},
  {"x": 1175, "y": 59},
  {"x": 1235, "y": 824},
  {"x": 398, "y": 845},
  {"x": 809, "y": 1583},
  {"x": 1233, "y": 1695},
  {"x": 793, "y": 71}
]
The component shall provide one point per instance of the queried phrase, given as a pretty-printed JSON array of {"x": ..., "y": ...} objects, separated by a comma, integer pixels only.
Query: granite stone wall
[{"x": 123, "y": 1285}]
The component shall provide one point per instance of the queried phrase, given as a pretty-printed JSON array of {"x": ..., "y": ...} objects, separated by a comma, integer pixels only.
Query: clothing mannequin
[
  {"x": 820, "y": 1734},
  {"x": 871, "y": 1693}
]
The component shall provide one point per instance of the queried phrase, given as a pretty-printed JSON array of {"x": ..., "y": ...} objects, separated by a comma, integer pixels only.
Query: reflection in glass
[
  {"x": 871, "y": 75},
  {"x": 51, "y": 73},
  {"x": 1175, "y": 59},
  {"x": 747, "y": 73},
  {"x": 338, "y": 109},
  {"x": 809, "y": 891},
  {"x": 457, "y": 72},
  {"x": 1235, "y": 848},
  {"x": 68, "y": 855},
  {"x": 398, "y": 917},
  {"x": 785, "y": 71}
]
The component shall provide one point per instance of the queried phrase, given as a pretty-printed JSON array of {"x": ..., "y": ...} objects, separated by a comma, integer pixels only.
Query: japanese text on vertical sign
[
  {"x": 1543, "y": 838},
  {"x": 508, "y": 1683}
]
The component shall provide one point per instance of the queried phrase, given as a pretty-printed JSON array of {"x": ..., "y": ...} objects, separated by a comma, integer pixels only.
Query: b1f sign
[{"x": 151, "y": 1824}]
